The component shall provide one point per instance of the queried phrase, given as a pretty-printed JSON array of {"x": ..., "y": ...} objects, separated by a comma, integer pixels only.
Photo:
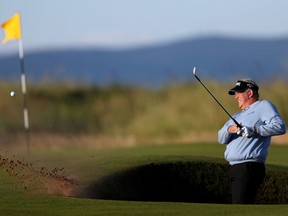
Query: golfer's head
[
  {"x": 243, "y": 85},
  {"x": 246, "y": 93}
]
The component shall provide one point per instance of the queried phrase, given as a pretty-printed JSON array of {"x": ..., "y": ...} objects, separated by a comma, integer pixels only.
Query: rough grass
[{"x": 120, "y": 111}]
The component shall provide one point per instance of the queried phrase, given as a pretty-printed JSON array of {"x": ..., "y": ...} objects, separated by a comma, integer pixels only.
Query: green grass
[
  {"x": 88, "y": 165},
  {"x": 278, "y": 155},
  {"x": 111, "y": 160},
  {"x": 71, "y": 206}
]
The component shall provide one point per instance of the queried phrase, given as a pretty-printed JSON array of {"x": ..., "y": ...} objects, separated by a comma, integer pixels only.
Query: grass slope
[{"x": 88, "y": 165}]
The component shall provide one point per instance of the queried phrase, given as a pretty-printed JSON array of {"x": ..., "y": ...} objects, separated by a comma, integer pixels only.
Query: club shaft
[{"x": 237, "y": 123}]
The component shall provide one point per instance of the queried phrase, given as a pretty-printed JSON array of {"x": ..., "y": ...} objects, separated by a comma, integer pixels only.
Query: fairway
[{"x": 85, "y": 166}]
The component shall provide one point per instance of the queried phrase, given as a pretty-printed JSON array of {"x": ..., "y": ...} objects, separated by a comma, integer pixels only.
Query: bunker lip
[
  {"x": 167, "y": 182},
  {"x": 203, "y": 181}
]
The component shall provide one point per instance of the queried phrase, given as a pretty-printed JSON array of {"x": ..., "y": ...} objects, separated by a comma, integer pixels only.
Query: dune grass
[{"x": 121, "y": 111}]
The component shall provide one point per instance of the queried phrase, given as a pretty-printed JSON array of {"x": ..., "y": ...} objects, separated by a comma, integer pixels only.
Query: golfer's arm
[
  {"x": 275, "y": 127},
  {"x": 223, "y": 135}
]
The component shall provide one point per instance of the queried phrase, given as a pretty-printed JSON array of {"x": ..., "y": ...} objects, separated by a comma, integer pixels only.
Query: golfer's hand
[
  {"x": 233, "y": 129},
  {"x": 247, "y": 131}
]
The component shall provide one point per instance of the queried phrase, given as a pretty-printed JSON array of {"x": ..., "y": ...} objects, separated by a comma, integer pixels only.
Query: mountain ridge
[{"x": 217, "y": 58}]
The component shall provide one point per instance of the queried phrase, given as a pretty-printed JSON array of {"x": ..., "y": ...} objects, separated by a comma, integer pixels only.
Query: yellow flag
[{"x": 12, "y": 28}]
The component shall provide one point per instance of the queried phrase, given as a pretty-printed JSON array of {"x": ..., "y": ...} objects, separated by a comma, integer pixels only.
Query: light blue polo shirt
[{"x": 265, "y": 117}]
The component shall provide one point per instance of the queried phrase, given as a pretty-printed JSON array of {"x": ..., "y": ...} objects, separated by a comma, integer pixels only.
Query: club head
[{"x": 194, "y": 71}]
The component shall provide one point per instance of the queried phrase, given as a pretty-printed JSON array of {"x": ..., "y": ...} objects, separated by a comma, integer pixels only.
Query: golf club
[{"x": 237, "y": 123}]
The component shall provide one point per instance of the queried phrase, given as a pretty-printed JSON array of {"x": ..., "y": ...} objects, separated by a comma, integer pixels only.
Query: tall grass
[{"x": 127, "y": 111}]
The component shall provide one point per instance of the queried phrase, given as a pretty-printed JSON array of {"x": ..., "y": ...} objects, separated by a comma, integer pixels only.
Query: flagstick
[
  {"x": 12, "y": 28},
  {"x": 24, "y": 92}
]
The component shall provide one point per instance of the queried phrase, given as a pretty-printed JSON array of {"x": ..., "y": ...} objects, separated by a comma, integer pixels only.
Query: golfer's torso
[{"x": 243, "y": 149}]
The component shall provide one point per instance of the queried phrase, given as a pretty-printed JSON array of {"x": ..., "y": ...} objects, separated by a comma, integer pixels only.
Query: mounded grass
[
  {"x": 88, "y": 166},
  {"x": 199, "y": 181}
]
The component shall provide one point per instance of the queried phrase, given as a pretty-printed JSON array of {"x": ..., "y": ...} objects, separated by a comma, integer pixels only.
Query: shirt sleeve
[
  {"x": 272, "y": 123},
  {"x": 223, "y": 134}
]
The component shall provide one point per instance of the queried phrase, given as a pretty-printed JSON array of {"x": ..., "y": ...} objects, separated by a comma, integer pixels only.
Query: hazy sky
[{"x": 122, "y": 23}]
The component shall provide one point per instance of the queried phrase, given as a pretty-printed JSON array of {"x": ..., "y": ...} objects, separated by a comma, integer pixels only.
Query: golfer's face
[{"x": 242, "y": 99}]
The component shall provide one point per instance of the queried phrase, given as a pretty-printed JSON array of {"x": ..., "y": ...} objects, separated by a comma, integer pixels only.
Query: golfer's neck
[{"x": 248, "y": 104}]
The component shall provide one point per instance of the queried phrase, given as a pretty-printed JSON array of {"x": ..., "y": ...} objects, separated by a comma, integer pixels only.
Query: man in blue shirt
[{"x": 247, "y": 147}]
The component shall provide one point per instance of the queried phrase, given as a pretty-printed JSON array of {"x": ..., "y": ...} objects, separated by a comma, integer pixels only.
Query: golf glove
[{"x": 246, "y": 132}]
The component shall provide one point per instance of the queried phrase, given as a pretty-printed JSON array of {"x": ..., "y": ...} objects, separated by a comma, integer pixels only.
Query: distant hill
[{"x": 219, "y": 58}]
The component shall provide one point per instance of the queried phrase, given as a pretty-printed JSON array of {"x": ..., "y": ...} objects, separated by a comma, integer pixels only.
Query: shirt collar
[{"x": 256, "y": 102}]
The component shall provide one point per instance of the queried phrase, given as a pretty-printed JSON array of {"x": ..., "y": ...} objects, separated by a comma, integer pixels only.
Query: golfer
[{"x": 247, "y": 147}]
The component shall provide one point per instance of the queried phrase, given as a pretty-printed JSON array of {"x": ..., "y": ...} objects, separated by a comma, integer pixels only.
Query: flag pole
[
  {"x": 12, "y": 28},
  {"x": 24, "y": 92}
]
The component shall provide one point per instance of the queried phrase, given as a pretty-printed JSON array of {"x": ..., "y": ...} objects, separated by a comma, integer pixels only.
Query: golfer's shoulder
[{"x": 266, "y": 104}]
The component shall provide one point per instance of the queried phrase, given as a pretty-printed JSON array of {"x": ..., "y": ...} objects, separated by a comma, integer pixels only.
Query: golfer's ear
[{"x": 251, "y": 93}]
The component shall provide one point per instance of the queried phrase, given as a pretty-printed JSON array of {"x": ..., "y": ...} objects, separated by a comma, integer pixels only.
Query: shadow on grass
[{"x": 198, "y": 182}]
